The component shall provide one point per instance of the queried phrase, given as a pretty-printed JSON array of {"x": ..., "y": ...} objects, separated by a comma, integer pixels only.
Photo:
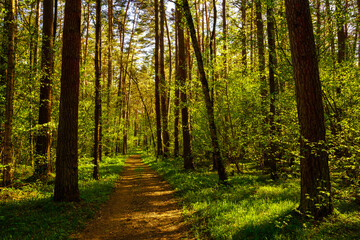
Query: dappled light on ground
[{"x": 142, "y": 207}]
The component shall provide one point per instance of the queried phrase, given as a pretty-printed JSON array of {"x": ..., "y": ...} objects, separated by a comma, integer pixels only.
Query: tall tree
[
  {"x": 125, "y": 90},
  {"x": 261, "y": 47},
  {"x": 243, "y": 34},
  {"x": 159, "y": 151},
  {"x": 224, "y": 26},
  {"x": 122, "y": 81},
  {"x": 205, "y": 88},
  {"x": 110, "y": 52},
  {"x": 177, "y": 89},
  {"x": 181, "y": 78},
  {"x": 271, "y": 160},
  {"x": 315, "y": 178},
  {"x": 7, "y": 154},
  {"x": 66, "y": 181},
  {"x": 43, "y": 138},
  {"x": 163, "y": 84},
  {"x": 97, "y": 114},
  {"x": 33, "y": 58},
  {"x": 341, "y": 36}
]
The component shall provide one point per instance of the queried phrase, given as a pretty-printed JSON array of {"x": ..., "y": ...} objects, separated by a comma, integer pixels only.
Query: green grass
[
  {"x": 251, "y": 207},
  {"x": 28, "y": 211}
]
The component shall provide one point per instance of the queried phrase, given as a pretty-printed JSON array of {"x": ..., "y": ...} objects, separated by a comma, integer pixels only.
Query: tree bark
[
  {"x": 341, "y": 36},
  {"x": 66, "y": 181},
  {"x": 315, "y": 179},
  {"x": 159, "y": 151},
  {"x": 43, "y": 138},
  {"x": 205, "y": 87},
  {"x": 243, "y": 35},
  {"x": 110, "y": 52},
  {"x": 181, "y": 78},
  {"x": 33, "y": 70},
  {"x": 163, "y": 85},
  {"x": 122, "y": 78},
  {"x": 261, "y": 48},
  {"x": 97, "y": 113},
  {"x": 7, "y": 154},
  {"x": 224, "y": 26},
  {"x": 126, "y": 94},
  {"x": 272, "y": 86},
  {"x": 177, "y": 87}
]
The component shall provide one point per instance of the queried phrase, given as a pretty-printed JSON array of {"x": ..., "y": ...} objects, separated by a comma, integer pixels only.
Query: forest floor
[{"x": 143, "y": 206}]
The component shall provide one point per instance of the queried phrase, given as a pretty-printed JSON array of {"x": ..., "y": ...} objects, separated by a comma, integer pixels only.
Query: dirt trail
[{"x": 142, "y": 207}]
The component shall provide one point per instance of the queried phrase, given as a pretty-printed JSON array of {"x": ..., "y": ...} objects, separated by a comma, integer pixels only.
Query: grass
[
  {"x": 252, "y": 206},
  {"x": 28, "y": 211}
]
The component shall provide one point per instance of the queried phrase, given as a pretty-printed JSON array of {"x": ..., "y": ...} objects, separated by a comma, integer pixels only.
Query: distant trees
[
  {"x": 66, "y": 181},
  {"x": 315, "y": 177},
  {"x": 233, "y": 108}
]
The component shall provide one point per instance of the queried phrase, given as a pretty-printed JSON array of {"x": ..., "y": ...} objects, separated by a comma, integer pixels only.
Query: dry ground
[{"x": 142, "y": 207}]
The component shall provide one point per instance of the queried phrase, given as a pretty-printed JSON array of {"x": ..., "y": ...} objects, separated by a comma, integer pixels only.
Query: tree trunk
[
  {"x": 177, "y": 87},
  {"x": 33, "y": 71},
  {"x": 341, "y": 36},
  {"x": 55, "y": 22},
  {"x": 66, "y": 181},
  {"x": 212, "y": 72},
  {"x": 273, "y": 88},
  {"x": 243, "y": 35},
  {"x": 358, "y": 6},
  {"x": 163, "y": 85},
  {"x": 181, "y": 78},
  {"x": 205, "y": 87},
  {"x": 110, "y": 50},
  {"x": 224, "y": 25},
  {"x": 315, "y": 178},
  {"x": 330, "y": 28},
  {"x": 261, "y": 48},
  {"x": 125, "y": 107},
  {"x": 122, "y": 80},
  {"x": 86, "y": 37},
  {"x": 43, "y": 138},
  {"x": 7, "y": 154},
  {"x": 159, "y": 151},
  {"x": 97, "y": 91}
]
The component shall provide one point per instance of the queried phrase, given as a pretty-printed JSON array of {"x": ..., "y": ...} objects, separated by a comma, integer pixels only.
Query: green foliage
[
  {"x": 27, "y": 210},
  {"x": 252, "y": 206}
]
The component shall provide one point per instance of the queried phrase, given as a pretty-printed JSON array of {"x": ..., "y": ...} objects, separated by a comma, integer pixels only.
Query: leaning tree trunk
[
  {"x": 205, "y": 87},
  {"x": 181, "y": 78},
  {"x": 7, "y": 154},
  {"x": 66, "y": 181},
  {"x": 315, "y": 178},
  {"x": 42, "y": 157}
]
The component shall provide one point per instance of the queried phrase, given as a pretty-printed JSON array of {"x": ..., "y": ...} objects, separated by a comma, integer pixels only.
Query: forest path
[{"x": 142, "y": 207}]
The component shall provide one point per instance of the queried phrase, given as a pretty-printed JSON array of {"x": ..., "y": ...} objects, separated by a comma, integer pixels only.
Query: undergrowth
[
  {"x": 27, "y": 210},
  {"x": 252, "y": 206}
]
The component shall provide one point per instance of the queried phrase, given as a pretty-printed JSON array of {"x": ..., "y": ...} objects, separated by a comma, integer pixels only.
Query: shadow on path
[{"x": 142, "y": 207}]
